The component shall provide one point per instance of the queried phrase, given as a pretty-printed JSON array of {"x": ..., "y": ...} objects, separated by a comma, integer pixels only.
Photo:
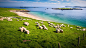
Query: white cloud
[
  {"x": 58, "y": 1},
  {"x": 53, "y": 0},
  {"x": 67, "y": 0},
  {"x": 62, "y": 0}
]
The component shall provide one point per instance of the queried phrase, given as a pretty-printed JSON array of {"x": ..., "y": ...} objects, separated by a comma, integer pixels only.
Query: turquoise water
[{"x": 73, "y": 17}]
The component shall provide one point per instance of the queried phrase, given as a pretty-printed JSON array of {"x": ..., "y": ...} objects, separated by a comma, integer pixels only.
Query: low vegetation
[{"x": 11, "y": 37}]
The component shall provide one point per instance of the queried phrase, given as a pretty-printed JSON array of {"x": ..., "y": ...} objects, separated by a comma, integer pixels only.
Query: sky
[{"x": 42, "y": 3}]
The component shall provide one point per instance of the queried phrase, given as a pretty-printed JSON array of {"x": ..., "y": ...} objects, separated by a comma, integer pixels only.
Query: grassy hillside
[{"x": 11, "y": 37}]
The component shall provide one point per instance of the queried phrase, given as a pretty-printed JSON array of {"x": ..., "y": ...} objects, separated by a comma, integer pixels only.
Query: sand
[{"x": 25, "y": 14}]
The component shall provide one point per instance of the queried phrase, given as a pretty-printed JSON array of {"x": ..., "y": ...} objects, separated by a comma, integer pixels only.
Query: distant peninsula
[{"x": 67, "y": 8}]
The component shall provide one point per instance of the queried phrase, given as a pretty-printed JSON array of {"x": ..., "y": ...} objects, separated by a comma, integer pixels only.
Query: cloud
[{"x": 53, "y": 0}]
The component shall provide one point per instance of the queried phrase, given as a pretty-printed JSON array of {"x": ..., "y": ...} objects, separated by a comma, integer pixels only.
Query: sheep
[
  {"x": 48, "y": 22},
  {"x": 55, "y": 26},
  {"x": 45, "y": 28},
  {"x": 40, "y": 27},
  {"x": 58, "y": 26},
  {"x": 68, "y": 25},
  {"x": 50, "y": 25},
  {"x": 83, "y": 29},
  {"x": 26, "y": 23},
  {"x": 1, "y": 19},
  {"x": 23, "y": 19},
  {"x": 21, "y": 29},
  {"x": 36, "y": 22},
  {"x": 57, "y": 30},
  {"x": 9, "y": 19},
  {"x": 61, "y": 30},
  {"x": 27, "y": 31},
  {"x": 64, "y": 26},
  {"x": 41, "y": 22},
  {"x": 71, "y": 27},
  {"x": 78, "y": 27}
]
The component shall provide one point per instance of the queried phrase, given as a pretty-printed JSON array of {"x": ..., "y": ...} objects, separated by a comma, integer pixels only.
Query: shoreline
[{"x": 26, "y": 14}]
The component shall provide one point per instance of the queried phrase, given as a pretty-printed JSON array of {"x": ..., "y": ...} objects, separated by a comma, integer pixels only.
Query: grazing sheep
[
  {"x": 78, "y": 27},
  {"x": 26, "y": 23},
  {"x": 24, "y": 29},
  {"x": 1, "y": 19},
  {"x": 58, "y": 26},
  {"x": 40, "y": 27},
  {"x": 83, "y": 29},
  {"x": 55, "y": 26},
  {"x": 57, "y": 30},
  {"x": 45, "y": 28},
  {"x": 48, "y": 22},
  {"x": 71, "y": 27},
  {"x": 21, "y": 29},
  {"x": 50, "y": 25},
  {"x": 68, "y": 25},
  {"x": 61, "y": 30},
  {"x": 9, "y": 19},
  {"x": 41, "y": 22},
  {"x": 36, "y": 22},
  {"x": 23, "y": 19},
  {"x": 27, "y": 31}
]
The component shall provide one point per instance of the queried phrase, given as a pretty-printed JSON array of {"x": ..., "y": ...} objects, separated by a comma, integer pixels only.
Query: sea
[{"x": 72, "y": 17}]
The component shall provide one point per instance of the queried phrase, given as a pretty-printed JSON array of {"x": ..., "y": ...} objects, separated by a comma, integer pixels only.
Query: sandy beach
[{"x": 25, "y": 14}]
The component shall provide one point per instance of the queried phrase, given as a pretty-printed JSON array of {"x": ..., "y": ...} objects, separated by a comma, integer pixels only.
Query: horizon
[{"x": 42, "y": 3}]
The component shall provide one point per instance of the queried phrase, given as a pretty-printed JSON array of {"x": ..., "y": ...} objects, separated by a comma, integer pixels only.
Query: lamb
[
  {"x": 40, "y": 27},
  {"x": 26, "y": 23}
]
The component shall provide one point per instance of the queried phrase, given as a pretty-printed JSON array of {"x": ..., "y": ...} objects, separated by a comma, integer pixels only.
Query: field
[{"x": 11, "y": 37}]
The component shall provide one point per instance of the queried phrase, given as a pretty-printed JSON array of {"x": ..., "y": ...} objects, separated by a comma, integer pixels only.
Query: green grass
[{"x": 10, "y": 37}]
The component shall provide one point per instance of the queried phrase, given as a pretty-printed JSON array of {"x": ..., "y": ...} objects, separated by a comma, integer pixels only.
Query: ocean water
[{"x": 73, "y": 17}]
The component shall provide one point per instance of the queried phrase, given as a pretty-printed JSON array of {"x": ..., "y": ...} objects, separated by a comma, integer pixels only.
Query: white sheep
[
  {"x": 68, "y": 25},
  {"x": 48, "y": 22},
  {"x": 40, "y": 27},
  {"x": 21, "y": 29},
  {"x": 26, "y": 23},
  {"x": 57, "y": 30},
  {"x": 71, "y": 27},
  {"x": 83, "y": 29}
]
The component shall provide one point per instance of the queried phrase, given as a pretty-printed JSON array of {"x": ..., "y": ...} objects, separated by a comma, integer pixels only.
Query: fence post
[
  {"x": 78, "y": 40},
  {"x": 83, "y": 36},
  {"x": 59, "y": 46}
]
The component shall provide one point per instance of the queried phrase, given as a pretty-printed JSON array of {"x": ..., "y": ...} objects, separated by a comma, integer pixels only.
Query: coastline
[{"x": 25, "y": 14}]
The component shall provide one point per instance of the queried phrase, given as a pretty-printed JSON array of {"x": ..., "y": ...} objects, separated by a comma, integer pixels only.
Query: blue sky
[{"x": 43, "y": 3}]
